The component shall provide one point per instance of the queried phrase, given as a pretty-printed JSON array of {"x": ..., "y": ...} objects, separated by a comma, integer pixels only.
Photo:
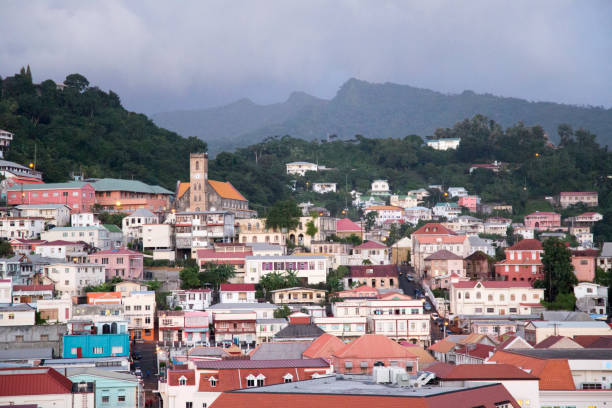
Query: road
[{"x": 148, "y": 366}]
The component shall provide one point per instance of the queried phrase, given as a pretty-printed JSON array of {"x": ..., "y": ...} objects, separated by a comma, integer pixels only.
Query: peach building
[
  {"x": 584, "y": 264},
  {"x": 130, "y": 195},
  {"x": 121, "y": 262}
]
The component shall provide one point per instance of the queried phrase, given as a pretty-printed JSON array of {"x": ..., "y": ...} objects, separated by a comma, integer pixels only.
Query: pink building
[
  {"x": 469, "y": 202},
  {"x": 79, "y": 196},
  {"x": 542, "y": 220},
  {"x": 584, "y": 264},
  {"x": 120, "y": 262},
  {"x": 196, "y": 327}
]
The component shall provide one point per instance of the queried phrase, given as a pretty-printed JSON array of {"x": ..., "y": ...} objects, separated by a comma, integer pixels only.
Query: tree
[
  {"x": 216, "y": 274},
  {"x": 311, "y": 229},
  {"x": 6, "y": 250},
  {"x": 370, "y": 219},
  {"x": 559, "y": 275},
  {"x": 190, "y": 278},
  {"x": 76, "y": 81},
  {"x": 282, "y": 312},
  {"x": 283, "y": 215}
]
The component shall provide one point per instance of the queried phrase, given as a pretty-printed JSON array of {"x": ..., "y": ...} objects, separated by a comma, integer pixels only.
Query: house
[
  {"x": 520, "y": 384},
  {"x": 226, "y": 254},
  {"x": 557, "y": 342},
  {"x": 196, "y": 328},
  {"x": 20, "y": 386},
  {"x": 124, "y": 263},
  {"x": 444, "y": 143},
  {"x": 493, "y": 327},
  {"x": 298, "y": 295},
  {"x": 360, "y": 292},
  {"x": 83, "y": 219},
  {"x": 130, "y": 195},
  {"x": 311, "y": 268},
  {"x": 380, "y": 188},
  {"x": 125, "y": 287},
  {"x": 112, "y": 389},
  {"x": 202, "y": 382},
  {"x": 567, "y": 198},
  {"x": 300, "y": 168},
  {"x": 171, "y": 325},
  {"x": 33, "y": 337},
  {"x": 447, "y": 210},
  {"x": 403, "y": 201},
  {"x": 345, "y": 228},
  {"x": 139, "y": 309},
  {"x": 323, "y": 188},
  {"x": 57, "y": 215},
  {"x": 25, "y": 246},
  {"x": 361, "y": 355},
  {"x": 265, "y": 331},
  {"x": 543, "y": 220},
  {"x": 21, "y": 227},
  {"x": 323, "y": 347},
  {"x": 201, "y": 229},
  {"x": 444, "y": 350},
  {"x": 237, "y": 293},
  {"x": 591, "y": 298},
  {"x": 103, "y": 298},
  {"x": 132, "y": 225},
  {"x": 425, "y": 245},
  {"x": 536, "y": 331},
  {"x": 494, "y": 298},
  {"x": 91, "y": 338},
  {"x": 31, "y": 293},
  {"x": 588, "y": 218},
  {"x": 495, "y": 167},
  {"x": 373, "y": 251},
  {"x": 347, "y": 328},
  {"x": 300, "y": 328},
  {"x": 490, "y": 208},
  {"x": 415, "y": 214},
  {"x": 55, "y": 310},
  {"x": 471, "y": 354},
  {"x": 523, "y": 262},
  {"x": 584, "y": 262},
  {"x": 70, "y": 279},
  {"x": 470, "y": 202},
  {"x": 94, "y": 236},
  {"x": 262, "y": 310},
  {"x": 20, "y": 314},
  {"x": 158, "y": 238},
  {"x": 442, "y": 264},
  {"x": 115, "y": 235},
  {"x": 79, "y": 196},
  {"x": 237, "y": 327},
  {"x": 604, "y": 261},
  {"x": 375, "y": 276},
  {"x": 68, "y": 251},
  {"x": 385, "y": 213},
  {"x": 477, "y": 266},
  {"x": 455, "y": 192},
  {"x": 192, "y": 299}
]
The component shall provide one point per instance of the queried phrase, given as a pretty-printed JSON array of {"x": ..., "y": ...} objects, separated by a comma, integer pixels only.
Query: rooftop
[
  {"x": 135, "y": 186},
  {"x": 254, "y": 364},
  {"x": 443, "y": 254},
  {"x": 365, "y": 271},
  {"x": 231, "y": 287},
  {"x": 346, "y": 225},
  {"x": 371, "y": 245},
  {"x": 287, "y": 350},
  {"x": 299, "y": 331},
  {"x": 371, "y": 346},
  {"x": 33, "y": 381},
  {"x": 447, "y": 371},
  {"x": 237, "y": 306},
  {"x": 567, "y": 354},
  {"x": 492, "y": 284}
]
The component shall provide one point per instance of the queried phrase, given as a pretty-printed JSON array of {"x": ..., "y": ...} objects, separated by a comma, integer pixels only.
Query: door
[
  {"x": 79, "y": 352},
  {"x": 180, "y": 335}
]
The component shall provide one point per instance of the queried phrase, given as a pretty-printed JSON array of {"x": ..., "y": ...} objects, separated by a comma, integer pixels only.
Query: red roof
[
  {"x": 33, "y": 381},
  {"x": 251, "y": 364},
  {"x": 60, "y": 242},
  {"x": 175, "y": 375},
  {"x": 32, "y": 288},
  {"x": 346, "y": 225},
  {"x": 588, "y": 253},
  {"x": 117, "y": 251},
  {"x": 371, "y": 245},
  {"x": 549, "y": 341},
  {"x": 443, "y": 255},
  {"x": 447, "y": 371},
  {"x": 433, "y": 228},
  {"x": 232, "y": 287},
  {"x": 571, "y": 193},
  {"x": 591, "y": 341},
  {"x": 372, "y": 346},
  {"x": 375, "y": 271},
  {"x": 475, "y": 350},
  {"x": 526, "y": 245},
  {"x": 492, "y": 284}
]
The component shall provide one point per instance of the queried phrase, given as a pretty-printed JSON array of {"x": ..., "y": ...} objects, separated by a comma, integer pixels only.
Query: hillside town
[{"x": 133, "y": 295}]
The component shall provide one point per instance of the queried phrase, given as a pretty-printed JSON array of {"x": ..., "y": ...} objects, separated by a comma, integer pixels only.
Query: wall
[
  {"x": 9, "y": 337},
  {"x": 88, "y": 342}
]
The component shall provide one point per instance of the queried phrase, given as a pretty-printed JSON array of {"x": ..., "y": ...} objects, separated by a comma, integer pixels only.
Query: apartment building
[
  {"x": 55, "y": 214},
  {"x": 312, "y": 268},
  {"x": 124, "y": 263},
  {"x": 70, "y": 279},
  {"x": 21, "y": 227},
  {"x": 139, "y": 309},
  {"x": 95, "y": 236},
  {"x": 494, "y": 298}
]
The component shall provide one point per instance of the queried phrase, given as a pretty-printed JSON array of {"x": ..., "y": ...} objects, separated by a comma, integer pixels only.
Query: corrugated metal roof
[
  {"x": 33, "y": 381},
  {"x": 111, "y": 184},
  {"x": 50, "y": 186},
  {"x": 285, "y": 363}
]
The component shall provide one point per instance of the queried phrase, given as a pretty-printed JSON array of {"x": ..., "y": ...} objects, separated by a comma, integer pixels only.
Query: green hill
[
  {"x": 82, "y": 128},
  {"x": 376, "y": 111}
]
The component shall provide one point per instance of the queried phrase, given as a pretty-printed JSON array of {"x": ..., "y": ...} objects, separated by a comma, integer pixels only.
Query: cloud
[{"x": 161, "y": 55}]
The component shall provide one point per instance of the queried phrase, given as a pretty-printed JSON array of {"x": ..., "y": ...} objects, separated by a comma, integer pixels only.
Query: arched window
[
  {"x": 197, "y": 165},
  {"x": 106, "y": 329},
  {"x": 182, "y": 380},
  {"x": 261, "y": 380},
  {"x": 478, "y": 295},
  {"x": 287, "y": 378},
  {"x": 467, "y": 295},
  {"x": 113, "y": 328},
  {"x": 502, "y": 298},
  {"x": 524, "y": 297},
  {"x": 250, "y": 380},
  {"x": 490, "y": 298},
  {"x": 512, "y": 297},
  {"x": 213, "y": 381},
  {"x": 458, "y": 295}
]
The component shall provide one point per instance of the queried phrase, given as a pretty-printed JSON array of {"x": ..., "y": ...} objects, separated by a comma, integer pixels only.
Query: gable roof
[
  {"x": 142, "y": 212},
  {"x": 299, "y": 331},
  {"x": 175, "y": 375},
  {"x": 526, "y": 245},
  {"x": 594, "y": 341},
  {"x": 491, "y": 284},
  {"x": 136, "y": 186},
  {"x": 280, "y": 350},
  {"x": 447, "y": 371},
  {"x": 346, "y": 225},
  {"x": 442, "y": 346},
  {"x": 475, "y": 350},
  {"x": 552, "y": 340},
  {"x": 231, "y": 287},
  {"x": 33, "y": 381},
  {"x": 371, "y": 245},
  {"x": 373, "y": 346},
  {"x": 253, "y": 364},
  {"x": 433, "y": 228},
  {"x": 183, "y": 187},
  {"x": 374, "y": 271},
  {"x": 323, "y": 347},
  {"x": 226, "y": 190},
  {"x": 443, "y": 255},
  {"x": 424, "y": 357}
]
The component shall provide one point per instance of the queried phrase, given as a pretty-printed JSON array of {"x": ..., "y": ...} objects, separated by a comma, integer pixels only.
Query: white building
[
  {"x": 261, "y": 310},
  {"x": 21, "y": 227},
  {"x": 447, "y": 210},
  {"x": 536, "y": 331},
  {"x": 444, "y": 144},
  {"x": 158, "y": 237},
  {"x": 20, "y": 314},
  {"x": 311, "y": 267},
  {"x": 403, "y": 201},
  {"x": 66, "y": 250},
  {"x": 494, "y": 298},
  {"x": 380, "y": 187},
  {"x": 6, "y": 291},
  {"x": 385, "y": 213},
  {"x": 323, "y": 188},
  {"x": 95, "y": 236},
  {"x": 192, "y": 299},
  {"x": 132, "y": 225},
  {"x": 346, "y": 328},
  {"x": 415, "y": 214},
  {"x": 55, "y": 214},
  {"x": 84, "y": 220},
  {"x": 301, "y": 168},
  {"x": 55, "y": 310},
  {"x": 70, "y": 279},
  {"x": 237, "y": 293},
  {"x": 139, "y": 310},
  {"x": 591, "y": 298},
  {"x": 267, "y": 328}
]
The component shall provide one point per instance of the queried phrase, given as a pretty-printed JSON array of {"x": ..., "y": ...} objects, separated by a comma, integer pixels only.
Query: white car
[{"x": 434, "y": 316}]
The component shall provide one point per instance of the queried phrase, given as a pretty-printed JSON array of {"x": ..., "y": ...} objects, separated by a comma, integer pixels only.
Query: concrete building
[
  {"x": 132, "y": 225},
  {"x": 312, "y": 268},
  {"x": 139, "y": 309},
  {"x": 444, "y": 144},
  {"x": 21, "y": 227},
  {"x": 192, "y": 299},
  {"x": 298, "y": 295},
  {"x": 494, "y": 298},
  {"x": 300, "y": 168},
  {"x": 95, "y": 236},
  {"x": 20, "y": 314},
  {"x": 83, "y": 220},
  {"x": 237, "y": 293},
  {"x": 124, "y": 263},
  {"x": 55, "y": 214},
  {"x": 70, "y": 279}
]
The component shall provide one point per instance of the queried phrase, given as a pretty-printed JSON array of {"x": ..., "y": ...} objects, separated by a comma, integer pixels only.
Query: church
[{"x": 202, "y": 194}]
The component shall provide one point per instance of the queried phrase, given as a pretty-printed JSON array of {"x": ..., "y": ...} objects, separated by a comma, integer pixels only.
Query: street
[{"x": 148, "y": 366}]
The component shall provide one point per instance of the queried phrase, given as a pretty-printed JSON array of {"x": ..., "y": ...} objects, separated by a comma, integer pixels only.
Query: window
[
  {"x": 189, "y": 404},
  {"x": 490, "y": 310},
  {"x": 121, "y": 398},
  {"x": 182, "y": 381},
  {"x": 117, "y": 349},
  {"x": 288, "y": 378},
  {"x": 98, "y": 350},
  {"x": 592, "y": 386},
  {"x": 105, "y": 399},
  {"x": 250, "y": 381}
]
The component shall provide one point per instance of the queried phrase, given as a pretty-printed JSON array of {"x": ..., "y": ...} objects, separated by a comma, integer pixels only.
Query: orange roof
[
  {"x": 383, "y": 207},
  {"x": 554, "y": 374},
  {"x": 373, "y": 346},
  {"x": 183, "y": 187},
  {"x": 450, "y": 239},
  {"x": 115, "y": 297},
  {"x": 442, "y": 346},
  {"x": 424, "y": 357},
  {"x": 226, "y": 190},
  {"x": 433, "y": 228},
  {"x": 324, "y": 346}
]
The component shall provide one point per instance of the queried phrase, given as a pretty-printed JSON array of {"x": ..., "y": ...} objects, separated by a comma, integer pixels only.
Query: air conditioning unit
[{"x": 381, "y": 375}]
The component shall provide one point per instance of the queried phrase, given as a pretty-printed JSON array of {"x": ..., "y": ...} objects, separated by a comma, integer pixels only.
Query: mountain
[
  {"x": 79, "y": 128},
  {"x": 374, "y": 110}
]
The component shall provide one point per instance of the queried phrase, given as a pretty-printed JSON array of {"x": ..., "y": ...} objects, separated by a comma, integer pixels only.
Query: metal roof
[
  {"x": 250, "y": 364},
  {"x": 570, "y": 354},
  {"x": 111, "y": 184},
  {"x": 280, "y": 351}
]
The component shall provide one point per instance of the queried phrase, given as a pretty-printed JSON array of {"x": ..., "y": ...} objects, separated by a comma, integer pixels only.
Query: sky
[{"x": 170, "y": 55}]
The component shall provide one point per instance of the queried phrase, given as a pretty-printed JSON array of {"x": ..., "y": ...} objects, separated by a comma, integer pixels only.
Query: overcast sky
[{"x": 169, "y": 55}]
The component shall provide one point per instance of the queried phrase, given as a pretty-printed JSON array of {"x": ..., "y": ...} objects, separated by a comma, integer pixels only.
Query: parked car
[
  {"x": 136, "y": 355},
  {"x": 138, "y": 373},
  {"x": 434, "y": 316}
]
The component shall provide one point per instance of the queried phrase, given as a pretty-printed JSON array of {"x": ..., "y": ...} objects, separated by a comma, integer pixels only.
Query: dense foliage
[
  {"x": 84, "y": 129},
  {"x": 559, "y": 277}
]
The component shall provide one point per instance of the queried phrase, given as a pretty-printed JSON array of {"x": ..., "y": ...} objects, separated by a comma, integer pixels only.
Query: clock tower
[{"x": 198, "y": 181}]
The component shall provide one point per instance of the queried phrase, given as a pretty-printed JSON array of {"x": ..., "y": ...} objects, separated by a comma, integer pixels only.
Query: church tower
[{"x": 198, "y": 181}]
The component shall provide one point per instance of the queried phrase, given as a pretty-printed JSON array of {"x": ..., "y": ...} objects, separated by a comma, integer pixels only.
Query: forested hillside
[
  {"x": 82, "y": 128},
  {"x": 375, "y": 111}
]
